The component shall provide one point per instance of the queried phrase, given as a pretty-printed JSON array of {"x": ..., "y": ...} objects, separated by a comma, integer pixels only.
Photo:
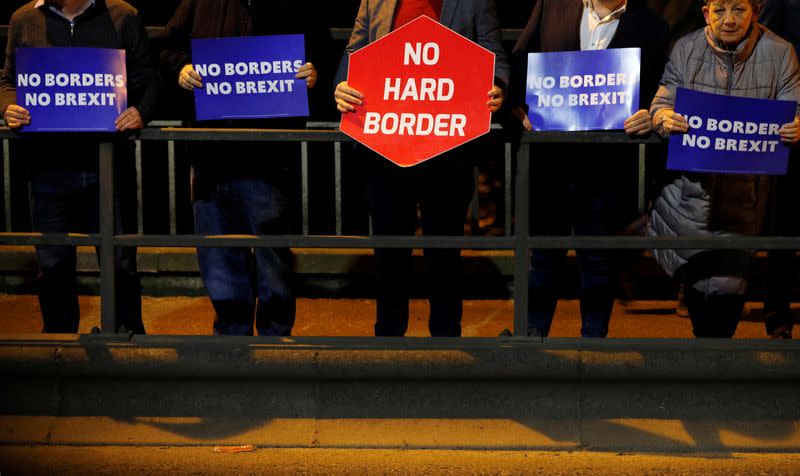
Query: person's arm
[
  {"x": 528, "y": 42},
  {"x": 14, "y": 115},
  {"x": 789, "y": 90},
  {"x": 143, "y": 88},
  {"x": 665, "y": 120},
  {"x": 346, "y": 97},
  {"x": 176, "y": 53}
]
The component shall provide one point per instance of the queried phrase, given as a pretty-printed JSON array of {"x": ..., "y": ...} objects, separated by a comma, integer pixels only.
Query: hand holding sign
[
  {"x": 308, "y": 72},
  {"x": 496, "y": 98},
  {"x": 639, "y": 123},
  {"x": 129, "y": 120},
  {"x": 790, "y": 133},
  {"x": 347, "y": 98},
  {"x": 189, "y": 78},
  {"x": 670, "y": 122},
  {"x": 16, "y": 116}
]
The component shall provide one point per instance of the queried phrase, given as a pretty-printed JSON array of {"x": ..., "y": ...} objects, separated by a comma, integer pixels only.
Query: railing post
[
  {"x": 521, "y": 235},
  {"x": 7, "y": 183},
  {"x": 108, "y": 321},
  {"x": 304, "y": 186}
]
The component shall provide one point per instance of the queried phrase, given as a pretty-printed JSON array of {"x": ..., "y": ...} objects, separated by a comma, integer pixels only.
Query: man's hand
[
  {"x": 790, "y": 133},
  {"x": 496, "y": 97},
  {"x": 347, "y": 98},
  {"x": 17, "y": 116},
  {"x": 639, "y": 124},
  {"x": 308, "y": 72},
  {"x": 670, "y": 122},
  {"x": 520, "y": 114},
  {"x": 189, "y": 78},
  {"x": 129, "y": 120}
]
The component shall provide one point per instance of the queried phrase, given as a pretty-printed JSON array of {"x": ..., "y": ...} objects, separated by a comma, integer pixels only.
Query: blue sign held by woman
[{"x": 728, "y": 134}]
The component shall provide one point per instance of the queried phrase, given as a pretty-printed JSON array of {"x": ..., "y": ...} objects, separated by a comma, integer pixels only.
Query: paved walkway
[
  {"x": 350, "y": 317},
  {"x": 203, "y": 460}
]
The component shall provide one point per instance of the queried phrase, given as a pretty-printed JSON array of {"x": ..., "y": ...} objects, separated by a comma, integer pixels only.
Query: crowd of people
[{"x": 730, "y": 47}]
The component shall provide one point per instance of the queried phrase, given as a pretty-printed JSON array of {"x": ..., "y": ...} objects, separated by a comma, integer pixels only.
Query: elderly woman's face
[{"x": 729, "y": 20}]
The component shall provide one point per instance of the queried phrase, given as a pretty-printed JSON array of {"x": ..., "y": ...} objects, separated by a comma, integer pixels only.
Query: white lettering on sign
[
  {"x": 442, "y": 125},
  {"x": 429, "y": 89},
  {"x": 418, "y": 53}
]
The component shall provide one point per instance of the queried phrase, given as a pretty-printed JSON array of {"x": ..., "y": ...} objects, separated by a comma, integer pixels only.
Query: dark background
[{"x": 513, "y": 13}]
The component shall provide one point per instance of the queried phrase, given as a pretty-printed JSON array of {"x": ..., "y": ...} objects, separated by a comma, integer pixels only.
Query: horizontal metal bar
[
  {"x": 661, "y": 242},
  {"x": 60, "y": 239},
  {"x": 498, "y": 243},
  {"x": 299, "y": 241},
  {"x": 320, "y": 135},
  {"x": 263, "y": 135}
]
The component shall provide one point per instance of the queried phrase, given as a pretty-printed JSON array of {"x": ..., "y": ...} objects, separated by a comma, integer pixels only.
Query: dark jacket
[
  {"x": 233, "y": 18},
  {"x": 476, "y": 20},
  {"x": 555, "y": 26},
  {"x": 108, "y": 24},
  {"x": 783, "y": 18}
]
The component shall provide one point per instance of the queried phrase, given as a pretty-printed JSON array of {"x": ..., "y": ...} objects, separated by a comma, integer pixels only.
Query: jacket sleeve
[
  {"x": 789, "y": 79},
  {"x": 8, "y": 82},
  {"x": 143, "y": 87},
  {"x": 488, "y": 28},
  {"x": 654, "y": 57},
  {"x": 359, "y": 38},
  {"x": 528, "y": 42},
  {"x": 176, "y": 53},
  {"x": 670, "y": 81}
]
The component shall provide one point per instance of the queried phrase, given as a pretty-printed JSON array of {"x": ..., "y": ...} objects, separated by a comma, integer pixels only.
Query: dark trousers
[
  {"x": 715, "y": 311},
  {"x": 440, "y": 190},
  {"x": 583, "y": 199},
  {"x": 243, "y": 282},
  {"x": 64, "y": 198}
]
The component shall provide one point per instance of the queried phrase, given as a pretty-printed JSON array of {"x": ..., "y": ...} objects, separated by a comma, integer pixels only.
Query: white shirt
[
  {"x": 596, "y": 32},
  {"x": 42, "y": 3}
]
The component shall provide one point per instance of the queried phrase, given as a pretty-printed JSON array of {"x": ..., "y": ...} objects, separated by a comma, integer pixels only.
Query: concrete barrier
[{"x": 612, "y": 395}]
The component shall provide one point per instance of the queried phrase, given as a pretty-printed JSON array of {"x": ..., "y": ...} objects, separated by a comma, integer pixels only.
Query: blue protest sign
[
  {"x": 71, "y": 89},
  {"x": 730, "y": 135},
  {"x": 583, "y": 90},
  {"x": 250, "y": 77}
]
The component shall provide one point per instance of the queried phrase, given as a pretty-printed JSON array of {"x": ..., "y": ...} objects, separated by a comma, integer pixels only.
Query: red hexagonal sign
[{"x": 425, "y": 92}]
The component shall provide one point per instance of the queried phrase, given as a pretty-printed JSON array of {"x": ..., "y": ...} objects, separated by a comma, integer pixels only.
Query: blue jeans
[
  {"x": 244, "y": 282},
  {"x": 65, "y": 199}
]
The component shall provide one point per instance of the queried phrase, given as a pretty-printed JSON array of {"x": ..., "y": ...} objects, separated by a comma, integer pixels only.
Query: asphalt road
[{"x": 311, "y": 461}]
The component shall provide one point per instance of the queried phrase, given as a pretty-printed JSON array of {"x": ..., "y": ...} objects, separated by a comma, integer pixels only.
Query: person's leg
[
  {"x": 446, "y": 185},
  {"x": 550, "y": 215},
  {"x": 597, "y": 216},
  {"x": 52, "y": 195},
  {"x": 225, "y": 271},
  {"x": 394, "y": 212},
  {"x": 715, "y": 288},
  {"x": 262, "y": 203}
]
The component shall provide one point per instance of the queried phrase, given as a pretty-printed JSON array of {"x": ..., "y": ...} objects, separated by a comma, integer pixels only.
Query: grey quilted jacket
[{"x": 762, "y": 66}]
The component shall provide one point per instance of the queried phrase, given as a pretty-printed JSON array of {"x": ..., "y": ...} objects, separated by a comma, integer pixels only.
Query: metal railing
[{"x": 520, "y": 242}]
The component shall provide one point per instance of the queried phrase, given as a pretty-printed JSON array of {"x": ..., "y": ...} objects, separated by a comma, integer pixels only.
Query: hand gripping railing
[{"x": 521, "y": 242}]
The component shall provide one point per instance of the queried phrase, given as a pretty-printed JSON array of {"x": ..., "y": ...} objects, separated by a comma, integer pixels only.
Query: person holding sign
[
  {"x": 63, "y": 176},
  {"x": 584, "y": 189},
  {"x": 733, "y": 56},
  {"x": 242, "y": 188},
  {"x": 441, "y": 187}
]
